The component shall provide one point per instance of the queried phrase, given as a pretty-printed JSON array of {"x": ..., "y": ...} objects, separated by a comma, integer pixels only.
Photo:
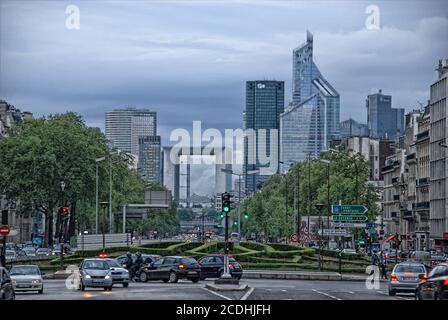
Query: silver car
[
  {"x": 119, "y": 274},
  {"x": 406, "y": 276},
  {"x": 27, "y": 278},
  {"x": 95, "y": 273}
]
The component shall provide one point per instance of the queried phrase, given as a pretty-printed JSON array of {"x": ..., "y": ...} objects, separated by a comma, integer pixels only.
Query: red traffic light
[{"x": 65, "y": 210}]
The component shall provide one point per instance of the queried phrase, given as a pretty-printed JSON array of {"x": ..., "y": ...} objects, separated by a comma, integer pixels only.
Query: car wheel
[
  {"x": 195, "y": 280},
  {"x": 125, "y": 285},
  {"x": 143, "y": 277},
  {"x": 165, "y": 280},
  {"x": 392, "y": 292},
  {"x": 110, "y": 288},
  {"x": 81, "y": 286},
  {"x": 173, "y": 277}
]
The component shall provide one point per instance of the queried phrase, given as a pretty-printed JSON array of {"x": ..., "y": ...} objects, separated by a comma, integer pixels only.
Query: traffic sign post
[
  {"x": 349, "y": 225},
  {"x": 334, "y": 232},
  {"x": 348, "y": 209},
  {"x": 349, "y": 218},
  {"x": 4, "y": 230}
]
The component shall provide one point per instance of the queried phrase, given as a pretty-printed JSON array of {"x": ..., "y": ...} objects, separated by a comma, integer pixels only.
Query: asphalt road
[{"x": 184, "y": 290}]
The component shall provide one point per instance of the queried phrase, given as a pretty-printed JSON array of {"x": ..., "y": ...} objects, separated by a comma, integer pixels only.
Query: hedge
[{"x": 346, "y": 256}]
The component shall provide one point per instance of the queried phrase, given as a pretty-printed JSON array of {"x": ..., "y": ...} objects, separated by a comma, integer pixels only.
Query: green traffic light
[{"x": 226, "y": 209}]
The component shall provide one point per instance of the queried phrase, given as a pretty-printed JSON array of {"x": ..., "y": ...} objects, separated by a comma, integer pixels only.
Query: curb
[{"x": 227, "y": 287}]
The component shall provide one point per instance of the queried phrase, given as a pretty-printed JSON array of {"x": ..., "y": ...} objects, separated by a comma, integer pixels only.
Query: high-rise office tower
[
  {"x": 149, "y": 164},
  {"x": 383, "y": 120},
  {"x": 264, "y": 104},
  {"x": 351, "y": 127},
  {"x": 311, "y": 120},
  {"x": 124, "y": 129}
]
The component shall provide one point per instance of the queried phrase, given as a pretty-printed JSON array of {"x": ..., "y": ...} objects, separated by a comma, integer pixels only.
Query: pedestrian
[
  {"x": 383, "y": 262},
  {"x": 137, "y": 264},
  {"x": 128, "y": 264},
  {"x": 375, "y": 259}
]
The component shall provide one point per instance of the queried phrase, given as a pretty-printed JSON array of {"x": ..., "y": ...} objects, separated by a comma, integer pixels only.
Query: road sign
[
  {"x": 348, "y": 209},
  {"x": 334, "y": 232},
  {"x": 4, "y": 230},
  {"x": 371, "y": 225},
  {"x": 349, "y": 225},
  {"x": 349, "y": 218}
]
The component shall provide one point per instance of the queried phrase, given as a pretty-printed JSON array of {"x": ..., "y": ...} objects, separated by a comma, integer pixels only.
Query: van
[{"x": 422, "y": 257}]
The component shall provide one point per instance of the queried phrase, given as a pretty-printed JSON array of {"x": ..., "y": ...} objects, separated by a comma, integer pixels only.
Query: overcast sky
[{"x": 189, "y": 60}]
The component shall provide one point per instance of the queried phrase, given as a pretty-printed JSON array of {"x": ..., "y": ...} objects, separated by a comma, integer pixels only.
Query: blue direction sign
[
  {"x": 349, "y": 218},
  {"x": 348, "y": 209}
]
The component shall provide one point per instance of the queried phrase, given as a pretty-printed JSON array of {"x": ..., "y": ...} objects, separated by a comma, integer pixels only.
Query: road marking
[
  {"x": 326, "y": 294},
  {"x": 351, "y": 292},
  {"x": 383, "y": 293},
  {"x": 247, "y": 294},
  {"x": 217, "y": 294}
]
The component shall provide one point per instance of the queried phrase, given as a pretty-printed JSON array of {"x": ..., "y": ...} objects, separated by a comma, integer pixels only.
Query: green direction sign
[
  {"x": 348, "y": 209},
  {"x": 349, "y": 218}
]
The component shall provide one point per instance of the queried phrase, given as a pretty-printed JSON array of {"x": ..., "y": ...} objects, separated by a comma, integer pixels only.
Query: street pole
[
  {"x": 286, "y": 206},
  {"x": 319, "y": 208},
  {"x": 110, "y": 194},
  {"x": 239, "y": 206},
  {"x": 328, "y": 203},
  {"x": 96, "y": 201},
  {"x": 103, "y": 224},
  {"x": 61, "y": 221},
  {"x": 298, "y": 204},
  {"x": 309, "y": 192}
]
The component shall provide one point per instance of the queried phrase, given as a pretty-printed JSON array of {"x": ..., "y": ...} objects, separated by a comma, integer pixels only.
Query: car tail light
[
  {"x": 230, "y": 266},
  {"x": 182, "y": 266},
  {"x": 393, "y": 277},
  {"x": 445, "y": 282},
  {"x": 424, "y": 277}
]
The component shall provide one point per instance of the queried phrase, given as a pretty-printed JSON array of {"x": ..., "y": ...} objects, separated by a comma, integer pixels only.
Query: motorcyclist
[{"x": 138, "y": 263}]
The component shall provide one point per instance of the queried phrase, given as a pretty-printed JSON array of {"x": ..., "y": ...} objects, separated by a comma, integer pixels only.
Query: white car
[
  {"x": 10, "y": 255},
  {"x": 27, "y": 278},
  {"x": 30, "y": 252},
  {"x": 349, "y": 251}
]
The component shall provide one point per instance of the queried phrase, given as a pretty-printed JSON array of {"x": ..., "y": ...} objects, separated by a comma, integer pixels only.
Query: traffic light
[
  {"x": 225, "y": 198},
  {"x": 235, "y": 223},
  {"x": 246, "y": 215},
  {"x": 222, "y": 215},
  {"x": 64, "y": 211}
]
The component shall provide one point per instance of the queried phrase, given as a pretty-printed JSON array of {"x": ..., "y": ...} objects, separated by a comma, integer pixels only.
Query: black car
[
  {"x": 436, "y": 286},
  {"x": 212, "y": 266},
  {"x": 170, "y": 269},
  {"x": 6, "y": 287},
  {"x": 147, "y": 258}
]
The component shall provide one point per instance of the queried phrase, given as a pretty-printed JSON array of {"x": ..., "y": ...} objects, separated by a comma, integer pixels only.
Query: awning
[{"x": 391, "y": 238}]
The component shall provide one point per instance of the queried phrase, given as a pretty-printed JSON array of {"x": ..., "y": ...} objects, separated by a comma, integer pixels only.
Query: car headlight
[
  {"x": 88, "y": 276},
  {"x": 14, "y": 281},
  {"x": 36, "y": 281},
  {"x": 107, "y": 277}
]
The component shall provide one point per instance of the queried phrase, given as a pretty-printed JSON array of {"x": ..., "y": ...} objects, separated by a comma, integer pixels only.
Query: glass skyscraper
[
  {"x": 312, "y": 119},
  {"x": 384, "y": 121},
  {"x": 351, "y": 127},
  {"x": 264, "y": 103}
]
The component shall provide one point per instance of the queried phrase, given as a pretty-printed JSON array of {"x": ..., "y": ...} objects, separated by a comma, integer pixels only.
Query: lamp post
[
  {"x": 61, "y": 220},
  {"x": 309, "y": 192},
  {"x": 239, "y": 175},
  {"x": 328, "y": 197},
  {"x": 291, "y": 163},
  {"x": 319, "y": 208},
  {"x": 97, "y": 160},
  {"x": 104, "y": 205}
]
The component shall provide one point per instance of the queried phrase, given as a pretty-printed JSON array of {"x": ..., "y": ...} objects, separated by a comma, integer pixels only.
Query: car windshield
[
  {"x": 113, "y": 264},
  {"x": 188, "y": 260},
  {"x": 410, "y": 268},
  {"x": 24, "y": 270},
  {"x": 95, "y": 264}
]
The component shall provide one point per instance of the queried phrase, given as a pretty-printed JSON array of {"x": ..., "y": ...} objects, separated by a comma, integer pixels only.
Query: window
[
  {"x": 169, "y": 261},
  {"x": 159, "y": 262}
]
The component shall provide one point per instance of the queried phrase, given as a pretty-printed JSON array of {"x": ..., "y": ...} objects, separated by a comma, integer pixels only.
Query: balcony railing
[
  {"x": 410, "y": 157},
  {"x": 387, "y": 168}
]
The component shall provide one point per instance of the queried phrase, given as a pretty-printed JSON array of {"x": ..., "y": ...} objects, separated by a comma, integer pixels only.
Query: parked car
[
  {"x": 30, "y": 252},
  {"x": 390, "y": 256},
  {"x": 6, "y": 288},
  {"x": 171, "y": 269},
  {"x": 11, "y": 246},
  {"x": 423, "y": 257},
  {"x": 119, "y": 274},
  {"x": 43, "y": 252},
  {"x": 212, "y": 266},
  {"x": 436, "y": 286},
  {"x": 406, "y": 276},
  {"x": 349, "y": 251},
  {"x": 27, "y": 278},
  {"x": 10, "y": 255},
  {"x": 437, "y": 257},
  {"x": 95, "y": 273},
  {"x": 28, "y": 244}
]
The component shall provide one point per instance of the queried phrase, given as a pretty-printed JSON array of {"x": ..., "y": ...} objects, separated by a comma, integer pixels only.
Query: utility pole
[{"x": 309, "y": 192}]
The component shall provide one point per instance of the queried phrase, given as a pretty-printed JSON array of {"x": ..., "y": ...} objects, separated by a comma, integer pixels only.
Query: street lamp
[
  {"x": 319, "y": 208},
  {"x": 328, "y": 162},
  {"x": 291, "y": 164},
  {"x": 97, "y": 160},
  {"x": 239, "y": 175},
  {"x": 62, "y": 223},
  {"x": 104, "y": 205}
]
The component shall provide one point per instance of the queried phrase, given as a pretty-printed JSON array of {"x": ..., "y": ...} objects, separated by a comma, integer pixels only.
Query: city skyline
[{"x": 146, "y": 46}]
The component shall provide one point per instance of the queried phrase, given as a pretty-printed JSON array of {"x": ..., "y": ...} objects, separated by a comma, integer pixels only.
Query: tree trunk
[{"x": 49, "y": 229}]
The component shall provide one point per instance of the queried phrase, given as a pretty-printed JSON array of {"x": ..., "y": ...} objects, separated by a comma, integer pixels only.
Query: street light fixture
[{"x": 319, "y": 208}]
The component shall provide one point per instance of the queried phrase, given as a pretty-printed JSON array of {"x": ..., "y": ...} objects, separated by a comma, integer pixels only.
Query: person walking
[{"x": 383, "y": 264}]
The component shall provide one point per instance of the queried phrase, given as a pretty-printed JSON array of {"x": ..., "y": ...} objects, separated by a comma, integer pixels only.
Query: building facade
[
  {"x": 383, "y": 121},
  {"x": 149, "y": 164},
  {"x": 264, "y": 104},
  {"x": 312, "y": 119},
  {"x": 350, "y": 128},
  {"x": 438, "y": 157}
]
